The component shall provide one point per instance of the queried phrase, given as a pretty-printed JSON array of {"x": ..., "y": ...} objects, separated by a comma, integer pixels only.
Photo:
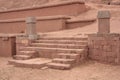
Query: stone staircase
[{"x": 65, "y": 52}]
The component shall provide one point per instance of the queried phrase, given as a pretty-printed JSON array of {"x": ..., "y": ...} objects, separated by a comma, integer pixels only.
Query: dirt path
[{"x": 87, "y": 71}]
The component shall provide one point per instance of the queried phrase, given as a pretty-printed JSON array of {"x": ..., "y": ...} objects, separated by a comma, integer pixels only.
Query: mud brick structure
[
  {"x": 105, "y": 47},
  {"x": 103, "y": 22}
]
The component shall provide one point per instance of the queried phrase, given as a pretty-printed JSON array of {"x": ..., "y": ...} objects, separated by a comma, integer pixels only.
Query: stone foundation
[{"x": 104, "y": 47}]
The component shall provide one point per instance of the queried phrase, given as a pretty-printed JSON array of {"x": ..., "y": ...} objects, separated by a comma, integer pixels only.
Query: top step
[
  {"x": 61, "y": 41},
  {"x": 64, "y": 38}
]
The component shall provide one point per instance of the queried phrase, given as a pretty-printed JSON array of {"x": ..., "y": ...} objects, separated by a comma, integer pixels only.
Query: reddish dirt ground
[{"x": 91, "y": 70}]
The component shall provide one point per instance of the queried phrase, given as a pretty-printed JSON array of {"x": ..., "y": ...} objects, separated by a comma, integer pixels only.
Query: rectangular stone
[{"x": 103, "y": 22}]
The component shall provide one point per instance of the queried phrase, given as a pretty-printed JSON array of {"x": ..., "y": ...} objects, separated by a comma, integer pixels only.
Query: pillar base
[{"x": 32, "y": 37}]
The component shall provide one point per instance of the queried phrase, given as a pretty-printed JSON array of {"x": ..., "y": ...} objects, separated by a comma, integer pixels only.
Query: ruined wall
[{"x": 104, "y": 47}]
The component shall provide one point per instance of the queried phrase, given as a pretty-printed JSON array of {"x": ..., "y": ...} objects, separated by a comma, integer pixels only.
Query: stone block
[
  {"x": 31, "y": 28},
  {"x": 103, "y": 22}
]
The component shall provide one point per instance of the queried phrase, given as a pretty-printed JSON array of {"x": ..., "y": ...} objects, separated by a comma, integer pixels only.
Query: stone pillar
[
  {"x": 31, "y": 28},
  {"x": 103, "y": 22}
]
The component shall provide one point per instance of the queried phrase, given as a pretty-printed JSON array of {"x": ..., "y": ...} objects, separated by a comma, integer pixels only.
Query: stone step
[
  {"x": 61, "y": 41},
  {"x": 68, "y": 56},
  {"x": 52, "y": 52},
  {"x": 69, "y": 46},
  {"x": 64, "y": 61},
  {"x": 22, "y": 57},
  {"x": 59, "y": 66},
  {"x": 64, "y": 38},
  {"x": 59, "y": 50},
  {"x": 31, "y": 63},
  {"x": 29, "y": 53},
  {"x": 46, "y": 52}
]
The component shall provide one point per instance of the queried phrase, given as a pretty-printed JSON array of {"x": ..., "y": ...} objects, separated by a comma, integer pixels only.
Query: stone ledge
[
  {"x": 102, "y": 35},
  {"x": 111, "y": 36},
  {"x": 78, "y": 20},
  {"x": 9, "y": 35},
  {"x": 38, "y": 19},
  {"x": 53, "y": 17}
]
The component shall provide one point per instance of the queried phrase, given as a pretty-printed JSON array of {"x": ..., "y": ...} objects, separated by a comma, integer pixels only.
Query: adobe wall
[
  {"x": 7, "y": 45},
  {"x": 44, "y": 24},
  {"x": 104, "y": 47},
  {"x": 12, "y": 26},
  {"x": 62, "y": 8},
  {"x": 53, "y": 23}
]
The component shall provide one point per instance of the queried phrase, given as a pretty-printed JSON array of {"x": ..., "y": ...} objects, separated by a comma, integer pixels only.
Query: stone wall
[
  {"x": 51, "y": 9},
  {"x": 104, "y": 47},
  {"x": 43, "y": 24},
  {"x": 7, "y": 45}
]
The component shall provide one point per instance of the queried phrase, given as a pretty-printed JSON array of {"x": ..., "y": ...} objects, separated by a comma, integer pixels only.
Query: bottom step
[
  {"x": 64, "y": 61},
  {"x": 59, "y": 66},
  {"x": 31, "y": 63},
  {"x": 22, "y": 57}
]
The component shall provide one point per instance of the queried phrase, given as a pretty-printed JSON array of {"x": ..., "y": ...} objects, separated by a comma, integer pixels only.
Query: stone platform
[{"x": 31, "y": 63}]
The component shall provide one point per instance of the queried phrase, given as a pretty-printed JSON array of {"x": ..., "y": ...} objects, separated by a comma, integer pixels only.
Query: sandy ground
[{"x": 88, "y": 71}]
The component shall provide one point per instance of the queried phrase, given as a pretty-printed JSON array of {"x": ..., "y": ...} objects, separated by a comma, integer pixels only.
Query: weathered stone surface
[
  {"x": 103, "y": 22},
  {"x": 105, "y": 47},
  {"x": 30, "y": 20},
  {"x": 104, "y": 14},
  {"x": 31, "y": 28}
]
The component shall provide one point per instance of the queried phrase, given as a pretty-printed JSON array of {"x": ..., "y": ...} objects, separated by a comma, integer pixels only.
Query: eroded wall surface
[{"x": 104, "y": 47}]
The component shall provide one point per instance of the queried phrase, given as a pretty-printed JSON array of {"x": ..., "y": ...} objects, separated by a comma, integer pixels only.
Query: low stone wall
[
  {"x": 7, "y": 45},
  {"x": 44, "y": 24},
  {"x": 74, "y": 7},
  {"x": 51, "y": 23},
  {"x": 104, "y": 47}
]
